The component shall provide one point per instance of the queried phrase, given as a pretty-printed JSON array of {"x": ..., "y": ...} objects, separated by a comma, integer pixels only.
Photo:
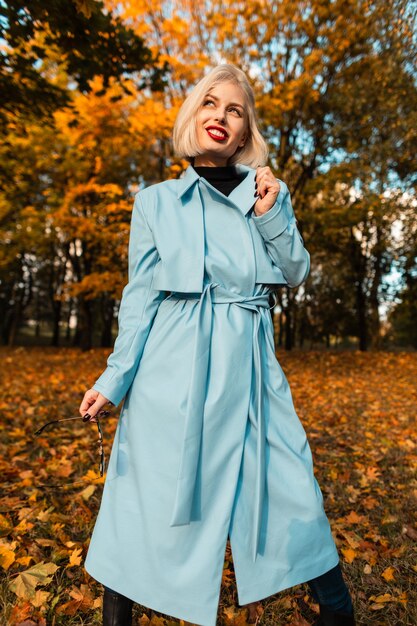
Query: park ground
[{"x": 359, "y": 412}]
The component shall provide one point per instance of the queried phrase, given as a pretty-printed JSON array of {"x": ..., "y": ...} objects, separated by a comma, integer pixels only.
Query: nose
[{"x": 221, "y": 116}]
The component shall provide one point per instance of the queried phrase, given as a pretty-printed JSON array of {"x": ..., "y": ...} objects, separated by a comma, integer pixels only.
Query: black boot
[
  {"x": 332, "y": 618},
  {"x": 117, "y": 609}
]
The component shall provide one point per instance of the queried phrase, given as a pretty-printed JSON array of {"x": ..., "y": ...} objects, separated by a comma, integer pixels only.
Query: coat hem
[
  {"x": 165, "y": 604},
  {"x": 266, "y": 587}
]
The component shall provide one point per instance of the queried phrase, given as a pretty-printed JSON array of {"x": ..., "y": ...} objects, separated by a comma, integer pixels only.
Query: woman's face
[{"x": 221, "y": 124}]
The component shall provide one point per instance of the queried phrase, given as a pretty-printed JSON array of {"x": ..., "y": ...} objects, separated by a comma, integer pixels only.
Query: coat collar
[{"x": 242, "y": 196}]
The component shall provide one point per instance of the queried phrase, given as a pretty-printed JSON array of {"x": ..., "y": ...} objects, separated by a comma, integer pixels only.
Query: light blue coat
[
  {"x": 208, "y": 444},
  {"x": 167, "y": 254}
]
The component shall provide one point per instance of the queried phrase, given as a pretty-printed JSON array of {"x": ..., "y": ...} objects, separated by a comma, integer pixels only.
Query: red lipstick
[{"x": 221, "y": 135}]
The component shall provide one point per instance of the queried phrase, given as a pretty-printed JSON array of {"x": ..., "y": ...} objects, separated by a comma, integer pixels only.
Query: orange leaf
[
  {"x": 82, "y": 600},
  {"x": 25, "y": 560},
  {"x": 20, "y": 612},
  {"x": 385, "y": 597},
  {"x": 75, "y": 557},
  {"x": 388, "y": 573},
  {"x": 349, "y": 554},
  {"x": 354, "y": 518},
  {"x": 7, "y": 557}
]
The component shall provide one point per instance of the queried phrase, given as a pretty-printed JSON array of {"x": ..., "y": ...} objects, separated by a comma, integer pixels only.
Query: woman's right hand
[{"x": 91, "y": 404}]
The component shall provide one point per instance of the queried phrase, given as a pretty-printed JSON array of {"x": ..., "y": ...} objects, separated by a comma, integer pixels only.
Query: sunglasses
[{"x": 101, "y": 414}]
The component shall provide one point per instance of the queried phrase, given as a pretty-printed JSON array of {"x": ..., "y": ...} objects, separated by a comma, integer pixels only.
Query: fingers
[
  {"x": 266, "y": 182},
  {"x": 91, "y": 404},
  {"x": 90, "y": 397}
]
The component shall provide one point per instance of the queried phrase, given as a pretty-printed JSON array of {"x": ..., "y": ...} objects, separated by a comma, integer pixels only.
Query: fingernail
[
  {"x": 255, "y": 194},
  {"x": 86, "y": 417}
]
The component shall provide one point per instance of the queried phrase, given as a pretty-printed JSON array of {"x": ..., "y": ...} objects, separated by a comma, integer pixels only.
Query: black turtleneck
[{"x": 224, "y": 178}]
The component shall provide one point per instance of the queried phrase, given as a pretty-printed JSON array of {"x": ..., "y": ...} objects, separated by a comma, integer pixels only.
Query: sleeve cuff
[{"x": 108, "y": 388}]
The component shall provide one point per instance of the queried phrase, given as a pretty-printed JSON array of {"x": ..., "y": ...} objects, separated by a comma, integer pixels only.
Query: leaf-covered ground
[{"x": 359, "y": 411}]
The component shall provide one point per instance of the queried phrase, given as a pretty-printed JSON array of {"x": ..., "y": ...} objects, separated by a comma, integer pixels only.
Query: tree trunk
[
  {"x": 359, "y": 269},
  {"x": 68, "y": 321},
  {"x": 361, "y": 311},
  {"x": 85, "y": 325},
  {"x": 14, "y": 323},
  {"x": 373, "y": 297},
  {"x": 56, "y": 309},
  {"x": 106, "y": 335}
]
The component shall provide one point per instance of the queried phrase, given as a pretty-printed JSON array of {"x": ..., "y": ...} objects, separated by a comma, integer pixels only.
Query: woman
[{"x": 208, "y": 444}]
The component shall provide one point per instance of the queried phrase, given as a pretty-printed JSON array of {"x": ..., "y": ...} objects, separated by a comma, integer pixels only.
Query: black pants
[{"x": 330, "y": 589}]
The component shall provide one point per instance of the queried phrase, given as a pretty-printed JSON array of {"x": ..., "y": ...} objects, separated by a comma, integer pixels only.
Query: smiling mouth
[{"x": 217, "y": 134}]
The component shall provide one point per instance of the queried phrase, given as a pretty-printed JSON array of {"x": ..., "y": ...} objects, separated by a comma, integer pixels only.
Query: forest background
[{"x": 90, "y": 92}]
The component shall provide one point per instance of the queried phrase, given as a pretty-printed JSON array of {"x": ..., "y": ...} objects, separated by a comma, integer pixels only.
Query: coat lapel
[
  {"x": 186, "y": 181},
  {"x": 241, "y": 197}
]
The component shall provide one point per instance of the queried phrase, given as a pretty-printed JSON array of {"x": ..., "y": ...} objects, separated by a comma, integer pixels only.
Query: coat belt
[{"x": 215, "y": 293}]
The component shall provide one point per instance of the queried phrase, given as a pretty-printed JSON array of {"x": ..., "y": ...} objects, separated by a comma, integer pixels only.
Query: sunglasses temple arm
[{"x": 64, "y": 419}]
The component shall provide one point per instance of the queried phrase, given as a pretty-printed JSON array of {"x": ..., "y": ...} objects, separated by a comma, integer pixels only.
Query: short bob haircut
[{"x": 254, "y": 153}]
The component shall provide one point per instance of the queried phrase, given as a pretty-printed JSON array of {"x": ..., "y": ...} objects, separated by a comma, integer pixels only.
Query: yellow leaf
[
  {"x": 7, "y": 557},
  {"x": 40, "y": 574},
  {"x": 92, "y": 475},
  {"x": 40, "y": 598},
  {"x": 386, "y": 597},
  {"x": 23, "y": 527},
  {"x": 349, "y": 554},
  {"x": 388, "y": 573},
  {"x": 403, "y": 597},
  {"x": 24, "y": 560},
  {"x": 75, "y": 558},
  {"x": 88, "y": 492},
  {"x": 43, "y": 516}
]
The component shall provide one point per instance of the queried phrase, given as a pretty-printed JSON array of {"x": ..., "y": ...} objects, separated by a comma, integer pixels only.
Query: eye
[
  {"x": 236, "y": 110},
  {"x": 208, "y": 101}
]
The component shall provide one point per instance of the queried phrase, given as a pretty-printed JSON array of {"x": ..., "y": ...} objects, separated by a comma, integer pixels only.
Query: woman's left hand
[{"x": 267, "y": 189}]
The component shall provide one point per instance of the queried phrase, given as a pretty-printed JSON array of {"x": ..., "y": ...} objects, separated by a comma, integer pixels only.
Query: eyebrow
[{"x": 236, "y": 104}]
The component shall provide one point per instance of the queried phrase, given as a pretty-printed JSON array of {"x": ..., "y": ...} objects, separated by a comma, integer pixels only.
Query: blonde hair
[{"x": 254, "y": 153}]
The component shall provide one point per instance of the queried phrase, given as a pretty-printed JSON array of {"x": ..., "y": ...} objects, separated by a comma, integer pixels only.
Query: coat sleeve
[
  {"x": 283, "y": 240},
  {"x": 138, "y": 307}
]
